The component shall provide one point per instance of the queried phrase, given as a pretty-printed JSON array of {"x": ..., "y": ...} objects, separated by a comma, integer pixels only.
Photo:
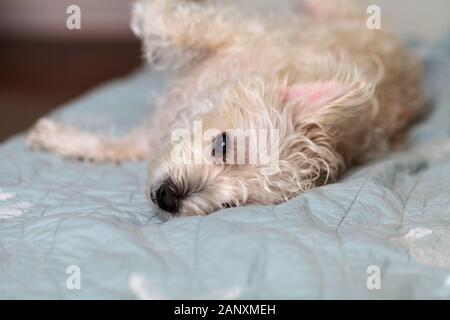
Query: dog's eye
[{"x": 220, "y": 147}]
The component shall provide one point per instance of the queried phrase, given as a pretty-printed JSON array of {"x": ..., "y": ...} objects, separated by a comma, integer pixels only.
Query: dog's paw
[
  {"x": 63, "y": 140},
  {"x": 165, "y": 28},
  {"x": 42, "y": 133}
]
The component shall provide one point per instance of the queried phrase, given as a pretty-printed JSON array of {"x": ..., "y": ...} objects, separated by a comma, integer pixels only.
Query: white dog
[{"x": 332, "y": 92}]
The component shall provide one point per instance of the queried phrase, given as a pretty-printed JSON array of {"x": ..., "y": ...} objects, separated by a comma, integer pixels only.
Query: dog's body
[{"x": 337, "y": 92}]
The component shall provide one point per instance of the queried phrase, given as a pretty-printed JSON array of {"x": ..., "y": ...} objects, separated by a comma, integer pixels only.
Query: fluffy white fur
[{"x": 338, "y": 93}]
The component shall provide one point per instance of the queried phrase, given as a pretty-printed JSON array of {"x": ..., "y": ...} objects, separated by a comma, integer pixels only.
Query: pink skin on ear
[{"x": 314, "y": 94}]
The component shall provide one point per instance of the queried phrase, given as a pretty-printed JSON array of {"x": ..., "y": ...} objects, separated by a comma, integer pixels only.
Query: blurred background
[{"x": 43, "y": 64}]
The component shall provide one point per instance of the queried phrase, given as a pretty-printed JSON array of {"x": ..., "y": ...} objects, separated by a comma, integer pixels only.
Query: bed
[{"x": 71, "y": 230}]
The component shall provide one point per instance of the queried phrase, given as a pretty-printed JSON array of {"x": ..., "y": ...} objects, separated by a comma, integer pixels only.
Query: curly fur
[{"x": 338, "y": 94}]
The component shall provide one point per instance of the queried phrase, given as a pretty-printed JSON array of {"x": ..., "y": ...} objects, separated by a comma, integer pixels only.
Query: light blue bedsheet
[{"x": 390, "y": 217}]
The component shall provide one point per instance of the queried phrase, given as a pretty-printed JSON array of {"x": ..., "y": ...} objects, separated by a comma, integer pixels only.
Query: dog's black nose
[{"x": 166, "y": 198}]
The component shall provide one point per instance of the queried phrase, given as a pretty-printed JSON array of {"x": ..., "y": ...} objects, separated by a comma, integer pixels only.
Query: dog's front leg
[{"x": 69, "y": 142}]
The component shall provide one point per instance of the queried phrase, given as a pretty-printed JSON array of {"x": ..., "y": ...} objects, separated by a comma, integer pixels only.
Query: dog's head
[{"x": 260, "y": 142}]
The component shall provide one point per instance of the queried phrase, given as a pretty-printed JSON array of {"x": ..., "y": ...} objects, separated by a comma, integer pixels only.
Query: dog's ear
[{"x": 330, "y": 103}]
